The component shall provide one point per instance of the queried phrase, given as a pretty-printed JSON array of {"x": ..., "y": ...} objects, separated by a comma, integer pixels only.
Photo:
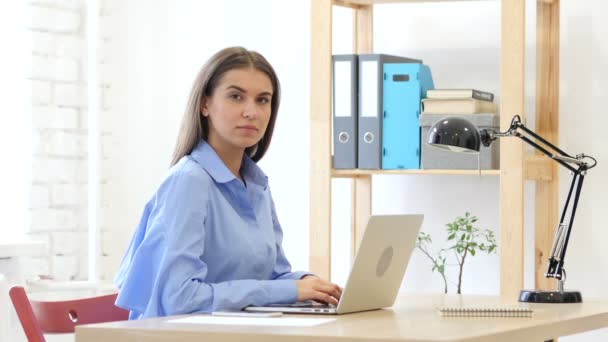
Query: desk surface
[{"x": 413, "y": 319}]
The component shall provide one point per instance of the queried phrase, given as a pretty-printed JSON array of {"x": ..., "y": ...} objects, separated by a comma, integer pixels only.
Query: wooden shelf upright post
[
  {"x": 320, "y": 138},
  {"x": 361, "y": 186},
  {"x": 547, "y": 126},
  {"x": 511, "y": 150}
]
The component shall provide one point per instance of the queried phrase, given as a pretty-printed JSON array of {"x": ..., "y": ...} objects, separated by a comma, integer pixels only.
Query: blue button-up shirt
[{"x": 206, "y": 242}]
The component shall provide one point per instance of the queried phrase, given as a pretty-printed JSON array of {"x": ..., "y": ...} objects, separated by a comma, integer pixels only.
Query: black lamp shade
[{"x": 455, "y": 134}]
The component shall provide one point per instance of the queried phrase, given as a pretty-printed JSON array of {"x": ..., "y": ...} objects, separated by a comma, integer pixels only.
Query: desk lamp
[{"x": 459, "y": 135}]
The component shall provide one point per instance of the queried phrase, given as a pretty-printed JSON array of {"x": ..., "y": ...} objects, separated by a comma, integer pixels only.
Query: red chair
[{"x": 38, "y": 317}]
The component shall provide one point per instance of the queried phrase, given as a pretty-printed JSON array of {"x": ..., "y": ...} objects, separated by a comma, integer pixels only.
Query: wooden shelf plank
[
  {"x": 357, "y": 3},
  {"x": 537, "y": 168},
  {"x": 358, "y": 173}
]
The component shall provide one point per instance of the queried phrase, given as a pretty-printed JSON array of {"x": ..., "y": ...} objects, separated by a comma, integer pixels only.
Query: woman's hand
[{"x": 314, "y": 288}]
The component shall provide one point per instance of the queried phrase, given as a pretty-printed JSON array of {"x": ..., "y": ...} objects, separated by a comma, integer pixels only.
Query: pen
[{"x": 246, "y": 314}]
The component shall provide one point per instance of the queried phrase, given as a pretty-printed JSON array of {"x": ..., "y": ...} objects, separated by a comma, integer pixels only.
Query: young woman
[{"x": 209, "y": 238}]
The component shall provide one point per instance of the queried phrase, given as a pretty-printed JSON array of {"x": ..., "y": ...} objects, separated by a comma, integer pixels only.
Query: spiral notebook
[{"x": 485, "y": 312}]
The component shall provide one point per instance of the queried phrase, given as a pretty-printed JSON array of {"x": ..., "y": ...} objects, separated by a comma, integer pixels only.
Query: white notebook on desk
[{"x": 485, "y": 312}]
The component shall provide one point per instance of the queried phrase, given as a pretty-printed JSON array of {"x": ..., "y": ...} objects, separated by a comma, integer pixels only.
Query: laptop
[{"x": 377, "y": 273}]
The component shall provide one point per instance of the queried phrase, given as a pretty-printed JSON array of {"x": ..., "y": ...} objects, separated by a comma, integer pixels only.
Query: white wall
[
  {"x": 163, "y": 44},
  {"x": 56, "y": 134}
]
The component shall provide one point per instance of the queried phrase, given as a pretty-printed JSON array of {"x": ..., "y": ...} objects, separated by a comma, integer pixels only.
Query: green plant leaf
[{"x": 464, "y": 238}]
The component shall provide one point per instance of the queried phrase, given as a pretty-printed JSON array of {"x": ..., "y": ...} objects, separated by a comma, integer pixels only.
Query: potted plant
[{"x": 465, "y": 240}]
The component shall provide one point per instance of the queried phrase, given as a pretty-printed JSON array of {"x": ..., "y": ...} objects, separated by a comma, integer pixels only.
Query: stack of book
[
  {"x": 476, "y": 106},
  {"x": 458, "y": 101}
]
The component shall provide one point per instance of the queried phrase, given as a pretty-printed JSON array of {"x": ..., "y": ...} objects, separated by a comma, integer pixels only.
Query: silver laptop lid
[{"x": 380, "y": 263}]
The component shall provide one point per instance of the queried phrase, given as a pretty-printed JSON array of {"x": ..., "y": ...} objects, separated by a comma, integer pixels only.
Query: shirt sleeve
[
  {"x": 166, "y": 275},
  {"x": 282, "y": 268}
]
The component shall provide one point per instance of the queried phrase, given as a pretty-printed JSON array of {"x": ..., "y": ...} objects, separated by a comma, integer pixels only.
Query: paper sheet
[{"x": 274, "y": 321}]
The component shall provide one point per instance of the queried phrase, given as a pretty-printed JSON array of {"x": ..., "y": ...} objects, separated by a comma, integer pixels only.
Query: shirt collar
[{"x": 204, "y": 155}]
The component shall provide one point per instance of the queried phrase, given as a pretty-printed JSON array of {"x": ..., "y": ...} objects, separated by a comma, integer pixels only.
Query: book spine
[{"x": 482, "y": 95}]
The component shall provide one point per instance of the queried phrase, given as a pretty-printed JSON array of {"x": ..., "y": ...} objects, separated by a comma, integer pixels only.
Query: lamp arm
[
  {"x": 552, "y": 151},
  {"x": 577, "y": 165},
  {"x": 555, "y": 268},
  {"x": 545, "y": 151},
  {"x": 517, "y": 124}
]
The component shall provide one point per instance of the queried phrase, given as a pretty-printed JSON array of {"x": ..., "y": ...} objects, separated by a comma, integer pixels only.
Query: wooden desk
[{"x": 412, "y": 319}]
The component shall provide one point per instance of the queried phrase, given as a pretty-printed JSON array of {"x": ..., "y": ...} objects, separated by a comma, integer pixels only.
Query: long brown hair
[{"x": 195, "y": 126}]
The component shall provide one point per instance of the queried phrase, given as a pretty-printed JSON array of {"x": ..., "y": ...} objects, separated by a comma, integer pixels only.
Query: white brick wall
[
  {"x": 41, "y": 92},
  {"x": 54, "y": 220},
  {"x": 70, "y": 95},
  {"x": 52, "y": 117},
  {"x": 66, "y": 46},
  {"x": 39, "y": 196},
  {"x": 54, "y": 68},
  {"x": 71, "y": 195},
  {"x": 58, "y": 195},
  {"x": 50, "y": 170},
  {"x": 65, "y": 267},
  {"x": 64, "y": 243},
  {"x": 65, "y": 4},
  {"x": 59, "y": 20}
]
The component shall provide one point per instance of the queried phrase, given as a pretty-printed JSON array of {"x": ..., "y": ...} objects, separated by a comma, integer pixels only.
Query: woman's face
[{"x": 239, "y": 109}]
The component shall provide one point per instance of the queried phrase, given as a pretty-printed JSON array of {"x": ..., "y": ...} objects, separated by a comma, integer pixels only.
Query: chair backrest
[{"x": 38, "y": 317}]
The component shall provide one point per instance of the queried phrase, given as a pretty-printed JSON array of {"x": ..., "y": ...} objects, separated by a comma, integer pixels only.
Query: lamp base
[{"x": 556, "y": 297}]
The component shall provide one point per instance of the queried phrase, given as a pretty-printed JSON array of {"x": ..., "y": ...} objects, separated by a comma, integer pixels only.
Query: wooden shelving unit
[{"x": 515, "y": 166}]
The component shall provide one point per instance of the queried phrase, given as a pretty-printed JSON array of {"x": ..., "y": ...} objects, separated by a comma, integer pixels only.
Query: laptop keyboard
[{"x": 307, "y": 304}]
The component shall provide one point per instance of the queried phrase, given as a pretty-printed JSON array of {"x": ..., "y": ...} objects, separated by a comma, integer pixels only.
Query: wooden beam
[
  {"x": 540, "y": 168},
  {"x": 363, "y": 29},
  {"x": 347, "y": 4},
  {"x": 320, "y": 138},
  {"x": 361, "y": 208},
  {"x": 351, "y": 3},
  {"x": 547, "y": 119},
  {"x": 511, "y": 150}
]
